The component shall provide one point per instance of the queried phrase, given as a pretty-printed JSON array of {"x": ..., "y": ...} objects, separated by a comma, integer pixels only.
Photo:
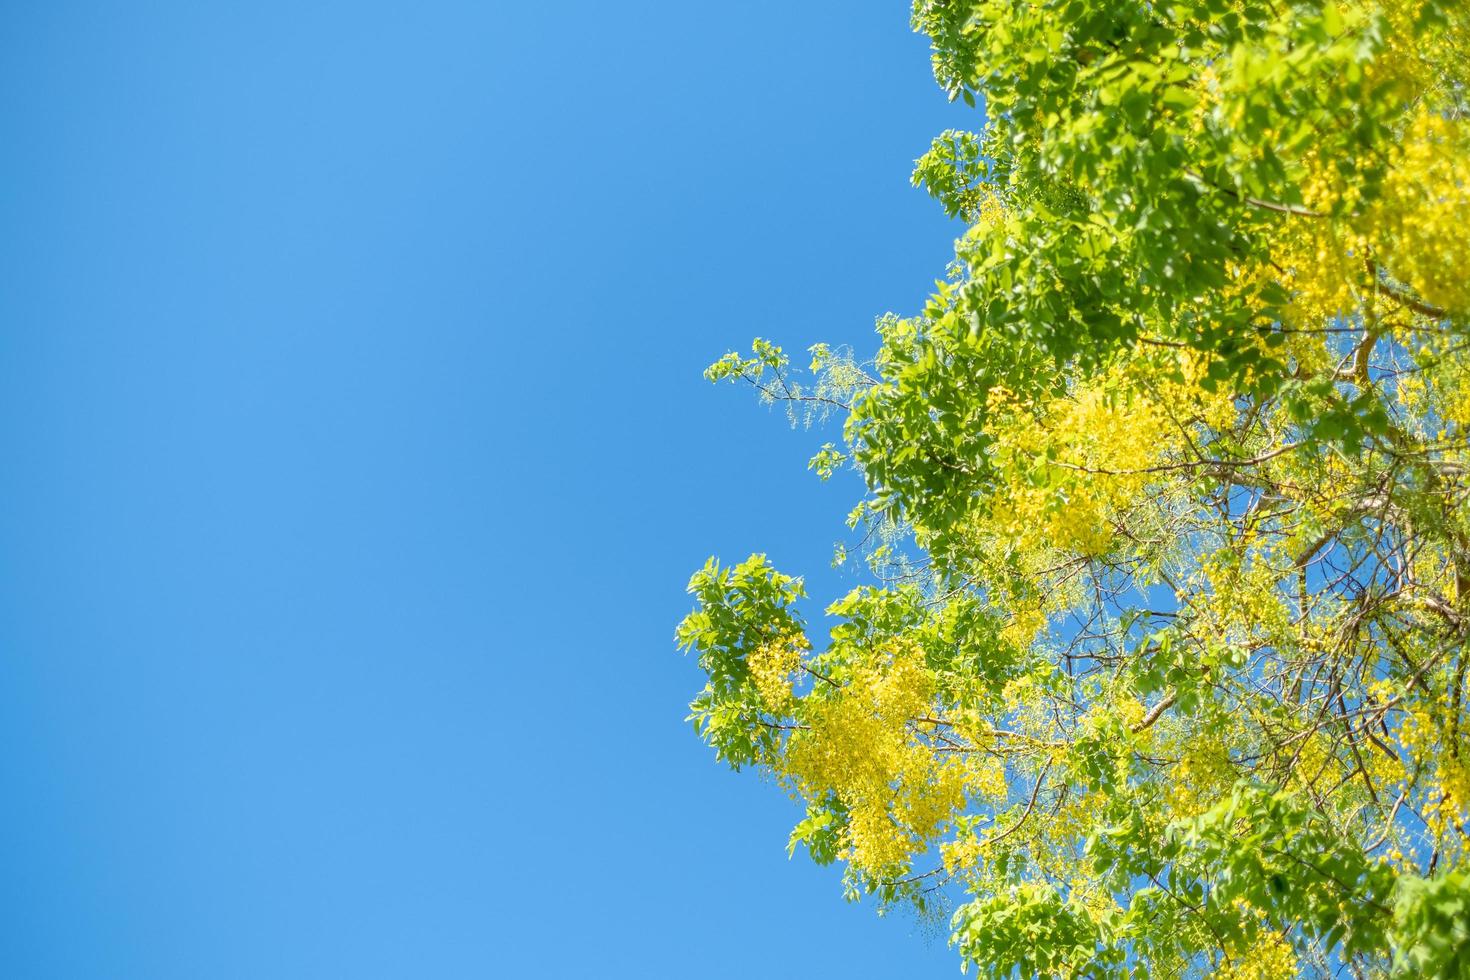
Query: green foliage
[
  {"x": 1174, "y": 684},
  {"x": 1031, "y": 932},
  {"x": 740, "y": 608},
  {"x": 1433, "y": 926},
  {"x": 822, "y": 830}
]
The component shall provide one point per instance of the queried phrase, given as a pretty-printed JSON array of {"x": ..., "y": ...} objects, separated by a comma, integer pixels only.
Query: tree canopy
[{"x": 1162, "y": 671}]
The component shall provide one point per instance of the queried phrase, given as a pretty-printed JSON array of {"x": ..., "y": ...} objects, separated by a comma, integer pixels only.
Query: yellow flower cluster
[
  {"x": 860, "y": 743},
  {"x": 1102, "y": 443},
  {"x": 1423, "y": 734},
  {"x": 991, "y": 212},
  {"x": 1270, "y": 958},
  {"x": 1107, "y": 432},
  {"x": 961, "y": 854},
  {"x": 1203, "y": 776},
  {"x": 1089, "y": 473},
  {"x": 1323, "y": 265},
  {"x": 1436, "y": 397},
  {"x": 1413, "y": 228},
  {"x": 1434, "y": 63},
  {"x": 1245, "y": 604},
  {"x": 1455, "y": 780},
  {"x": 773, "y": 667},
  {"x": 1420, "y": 213},
  {"x": 1412, "y": 224},
  {"x": 1027, "y": 620}
]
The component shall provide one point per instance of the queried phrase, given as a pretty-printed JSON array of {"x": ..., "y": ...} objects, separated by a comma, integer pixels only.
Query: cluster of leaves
[{"x": 1176, "y": 684}]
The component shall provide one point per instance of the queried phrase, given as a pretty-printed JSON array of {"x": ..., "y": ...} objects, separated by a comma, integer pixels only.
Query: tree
[{"x": 1163, "y": 672}]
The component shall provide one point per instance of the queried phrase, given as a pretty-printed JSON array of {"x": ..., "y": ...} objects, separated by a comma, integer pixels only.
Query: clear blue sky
[{"x": 355, "y": 457}]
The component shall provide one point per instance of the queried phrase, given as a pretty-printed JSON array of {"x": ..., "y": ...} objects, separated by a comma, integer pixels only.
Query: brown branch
[
  {"x": 1417, "y": 305},
  {"x": 820, "y": 676},
  {"x": 1155, "y": 713},
  {"x": 1187, "y": 465},
  {"x": 1256, "y": 202},
  {"x": 1030, "y": 806}
]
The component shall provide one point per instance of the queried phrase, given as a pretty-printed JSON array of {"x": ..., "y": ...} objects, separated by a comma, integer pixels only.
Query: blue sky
[{"x": 356, "y": 455}]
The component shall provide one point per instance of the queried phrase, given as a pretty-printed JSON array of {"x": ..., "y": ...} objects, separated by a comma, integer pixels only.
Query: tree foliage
[{"x": 1163, "y": 674}]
